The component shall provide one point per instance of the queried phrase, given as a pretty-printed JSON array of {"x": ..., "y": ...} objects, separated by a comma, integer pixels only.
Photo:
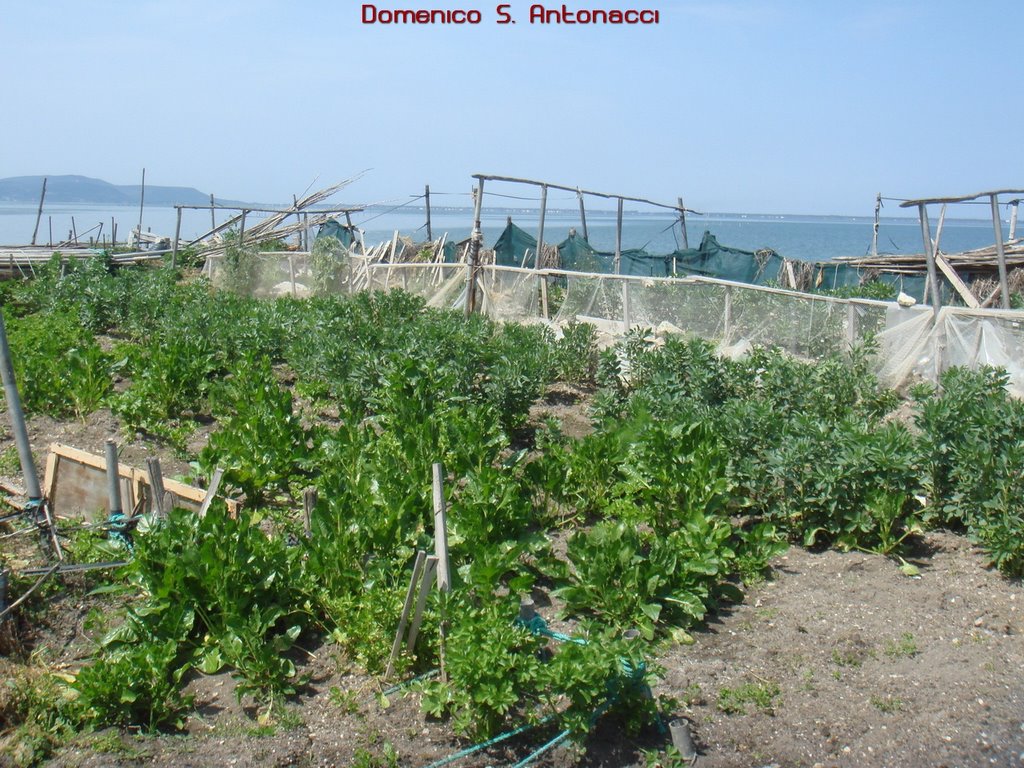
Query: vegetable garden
[{"x": 697, "y": 473}]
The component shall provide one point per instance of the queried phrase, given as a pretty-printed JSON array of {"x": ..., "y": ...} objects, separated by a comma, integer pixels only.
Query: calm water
[{"x": 801, "y": 237}]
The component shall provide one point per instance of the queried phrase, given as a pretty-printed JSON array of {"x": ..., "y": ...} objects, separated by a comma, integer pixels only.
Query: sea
[{"x": 804, "y": 237}]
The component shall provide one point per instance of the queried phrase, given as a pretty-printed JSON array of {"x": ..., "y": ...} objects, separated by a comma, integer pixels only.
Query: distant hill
[{"x": 82, "y": 189}]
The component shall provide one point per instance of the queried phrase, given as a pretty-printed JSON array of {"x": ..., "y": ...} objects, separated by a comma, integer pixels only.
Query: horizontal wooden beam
[
  {"x": 605, "y": 195},
  {"x": 964, "y": 199},
  {"x": 256, "y": 209}
]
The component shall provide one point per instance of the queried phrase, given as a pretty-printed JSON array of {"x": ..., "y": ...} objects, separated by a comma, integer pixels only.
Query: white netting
[
  {"x": 913, "y": 343},
  {"x": 509, "y": 295}
]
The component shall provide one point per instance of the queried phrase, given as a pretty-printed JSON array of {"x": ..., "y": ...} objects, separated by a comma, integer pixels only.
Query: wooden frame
[{"x": 87, "y": 484}]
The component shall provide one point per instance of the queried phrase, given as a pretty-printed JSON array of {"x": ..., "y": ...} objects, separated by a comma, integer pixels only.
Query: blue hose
[{"x": 490, "y": 742}]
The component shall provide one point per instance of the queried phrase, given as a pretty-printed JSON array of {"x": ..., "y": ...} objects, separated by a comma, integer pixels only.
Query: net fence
[{"x": 914, "y": 343}]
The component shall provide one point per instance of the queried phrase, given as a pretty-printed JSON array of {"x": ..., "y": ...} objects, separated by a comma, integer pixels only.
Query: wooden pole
[
  {"x": 142, "y": 202},
  {"x": 156, "y": 485},
  {"x": 540, "y": 229},
  {"x": 213, "y": 218},
  {"x": 583, "y": 215},
  {"x": 113, "y": 233},
  {"x": 929, "y": 252},
  {"x": 426, "y": 197},
  {"x": 618, "y": 239},
  {"x": 618, "y": 268},
  {"x": 241, "y": 231},
  {"x": 49, "y": 220},
  {"x": 74, "y": 230},
  {"x": 682, "y": 223},
  {"x": 444, "y": 576},
  {"x": 39, "y": 213},
  {"x": 1013, "y": 218},
  {"x": 997, "y": 228},
  {"x": 874, "y": 236},
  {"x": 474, "y": 248},
  {"x": 177, "y": 236}
]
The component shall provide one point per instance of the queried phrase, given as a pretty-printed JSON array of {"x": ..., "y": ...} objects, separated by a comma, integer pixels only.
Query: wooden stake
[
  {"x": 213, "y": 218},
  {"x": 1013, "y": 219},
  {"x": 310, "y": 496},
  {"x": 211, "y": 492},
  {"x": 410, "y": 596},
  {"x": 618, "y": 240},
  {"x": 997, "y": 227},
  {"x": 441, "y": 529},
  {"x": 39, "y": 213},
  {"x": 241, "y": 231},
  {"x": 429, "y": 570},
  {"x": 444, "y": 576}
]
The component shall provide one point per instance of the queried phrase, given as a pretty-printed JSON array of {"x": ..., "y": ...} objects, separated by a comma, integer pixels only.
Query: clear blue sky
[{"x": 771, "y": 107}]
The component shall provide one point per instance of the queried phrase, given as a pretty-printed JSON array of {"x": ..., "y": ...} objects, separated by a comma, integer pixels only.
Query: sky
[{"x": 758, "y": 107}]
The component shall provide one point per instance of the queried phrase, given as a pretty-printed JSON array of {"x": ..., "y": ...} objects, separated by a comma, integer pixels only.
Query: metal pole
[
  {"x": 583, "y": 215},
  {"x": 997, "y": 228},
  {"x": 426, "y": 196},
  {"x": 39, "y": 213},
  {"x": 17, "y": 416},
  {"x": 540, "y": 230},
  {"x": 113, "y": 478},
  {"x": 177, "y": 235},
  {"x": 474, "y": 248},
  {"x": 929, "y": 253},
  {"x": 682, "y": 223}
]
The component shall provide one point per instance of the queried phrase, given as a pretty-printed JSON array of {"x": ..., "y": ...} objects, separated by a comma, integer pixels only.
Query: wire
[{"x": 390, "y": 210}]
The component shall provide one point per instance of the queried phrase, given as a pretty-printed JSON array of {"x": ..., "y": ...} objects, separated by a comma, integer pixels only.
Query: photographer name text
[{"x": 504, "y": 14}]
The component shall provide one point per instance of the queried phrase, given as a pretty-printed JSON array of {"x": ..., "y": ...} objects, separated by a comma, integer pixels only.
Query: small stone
[{"x": 978, "y": 621}]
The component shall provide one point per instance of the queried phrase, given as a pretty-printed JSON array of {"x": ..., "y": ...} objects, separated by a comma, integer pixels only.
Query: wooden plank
[
  {"x": 947, "y": 269},
  {"x": 75, "y": 471}
]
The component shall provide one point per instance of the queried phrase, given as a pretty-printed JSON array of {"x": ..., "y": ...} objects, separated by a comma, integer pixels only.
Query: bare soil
[{"x": 837, "y": 659}]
